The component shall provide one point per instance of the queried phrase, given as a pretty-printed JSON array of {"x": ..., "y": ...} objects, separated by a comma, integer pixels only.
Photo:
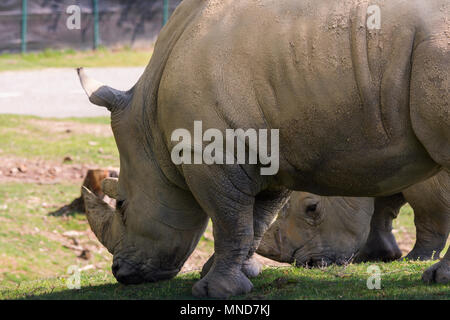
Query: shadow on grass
[
  {"x": 75, "y": 207},
  {"x": 177, "y": 288},
  {"x": 271, "y": 284}
]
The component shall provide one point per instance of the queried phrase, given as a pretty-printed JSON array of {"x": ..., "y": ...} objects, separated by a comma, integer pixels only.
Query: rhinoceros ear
[
  {"x": 110, "y": 187},
  {"x": 102, "y": 95}
]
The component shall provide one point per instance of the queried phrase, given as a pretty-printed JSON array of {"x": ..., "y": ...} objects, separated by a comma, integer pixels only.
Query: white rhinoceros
[
  {"x": 360, "y": 112},
  {"x": 312, "y": 230}
]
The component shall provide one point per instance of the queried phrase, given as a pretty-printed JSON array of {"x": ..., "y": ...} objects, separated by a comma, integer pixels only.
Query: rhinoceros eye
[
  {"x": 311, "y": 208},
  {"x": 119, "y": 204}
]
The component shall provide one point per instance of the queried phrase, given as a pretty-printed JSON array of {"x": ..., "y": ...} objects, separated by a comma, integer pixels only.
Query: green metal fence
[
  {"x": 24, "y": 25},
  {"x": 95, "y": 5}
]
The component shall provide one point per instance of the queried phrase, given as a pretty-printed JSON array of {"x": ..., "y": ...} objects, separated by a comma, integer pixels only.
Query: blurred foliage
[
  {"x": 91, "y": 142},
  {"x": 102, "y": 57}
]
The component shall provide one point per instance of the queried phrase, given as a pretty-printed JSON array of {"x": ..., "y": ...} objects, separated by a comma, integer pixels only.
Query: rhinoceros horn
[
  {"x": 100, "y": 217},
  {"x": 101, "y": 94},
  {"x": 110, "y": 187}
]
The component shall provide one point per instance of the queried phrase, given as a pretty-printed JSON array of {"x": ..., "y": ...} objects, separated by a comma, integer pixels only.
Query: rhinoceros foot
[
  {"x": 438, "y": 273},
  {"x": 422, "y": 255},
  {"x": 222, "y": 285},
  {"x": 380, "y": 246},
  {"x": 251, "y": 267}
]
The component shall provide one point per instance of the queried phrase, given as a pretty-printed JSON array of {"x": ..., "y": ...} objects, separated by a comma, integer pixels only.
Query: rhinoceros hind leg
[
  {"x": 381, "y": 244},
  {"x": 418, "y": 255},
  {"x": 438, "y": 272},
  {"x": 267, "y": 205},
  {"x": 426, "y": 253},
  {"x": 430, "y": 200}
]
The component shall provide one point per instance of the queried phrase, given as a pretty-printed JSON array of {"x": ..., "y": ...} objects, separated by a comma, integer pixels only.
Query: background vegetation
[{"x": 102, "y": 57}]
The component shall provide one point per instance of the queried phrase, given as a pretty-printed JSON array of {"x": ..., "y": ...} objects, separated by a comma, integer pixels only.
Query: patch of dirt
[
  {"x": 196, "y": 261},
  {"x": 271, "y": 263},
  {"x": 101, "y": 130},
  {"x": 41, "y": 171},
  {"x": 82, "y": 243},
  {"x": 405, "y": 239}
]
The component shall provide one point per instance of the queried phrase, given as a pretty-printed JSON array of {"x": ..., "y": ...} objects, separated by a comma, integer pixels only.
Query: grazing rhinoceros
[
  {"x": 312, "y": 230},
  {"x": 360, "y": 113}
]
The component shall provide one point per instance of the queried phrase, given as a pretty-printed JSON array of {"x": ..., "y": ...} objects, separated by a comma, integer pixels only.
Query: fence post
[
  {"x": 165, "y": 11},
  {"x": 24, "y": 26},
  {"x": 96, "y": 29}
]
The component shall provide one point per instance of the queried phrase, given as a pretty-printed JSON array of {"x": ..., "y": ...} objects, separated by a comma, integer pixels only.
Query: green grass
[
  {"x": 399, "y": 280},
  {"x": 102, "y": 57},
  {"x": 31, "y": 242},
  {"x": 29, "y": 137}
]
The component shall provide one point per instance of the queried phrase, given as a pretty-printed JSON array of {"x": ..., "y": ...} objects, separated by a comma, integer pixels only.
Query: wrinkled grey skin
[
  {"x": 314, "y": 231},
  {"x": 360, "y": 113}
]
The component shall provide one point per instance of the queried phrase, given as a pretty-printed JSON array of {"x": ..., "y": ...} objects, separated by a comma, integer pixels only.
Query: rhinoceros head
[
  {"x": 312, "y": 230},
  {"x": 155, "y": 225}
]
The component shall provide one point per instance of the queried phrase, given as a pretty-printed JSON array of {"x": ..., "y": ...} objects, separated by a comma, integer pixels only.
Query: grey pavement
[{"x": 57, "y": 92}]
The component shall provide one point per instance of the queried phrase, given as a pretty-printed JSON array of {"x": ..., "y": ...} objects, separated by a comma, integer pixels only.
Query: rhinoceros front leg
[
  {"x": 228, "y": 200},
  {"x": 381, "y": 244},
  {"x": 439, "y": 272},
  {"x": 267, "y": 204}
]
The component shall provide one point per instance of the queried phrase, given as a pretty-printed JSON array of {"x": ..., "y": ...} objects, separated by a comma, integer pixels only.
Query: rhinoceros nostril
[{"x": 126, "y": 273}]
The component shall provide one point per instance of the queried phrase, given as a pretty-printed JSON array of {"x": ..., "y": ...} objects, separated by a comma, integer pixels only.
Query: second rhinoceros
[
  {"x": 314, "y": 231},
  {"x": 360, "y": 112}
]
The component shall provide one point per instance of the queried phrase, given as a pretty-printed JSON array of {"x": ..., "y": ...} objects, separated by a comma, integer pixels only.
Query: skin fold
[
  {"x": 314, "y": 231},
  {"x": 360, "y": 113}
]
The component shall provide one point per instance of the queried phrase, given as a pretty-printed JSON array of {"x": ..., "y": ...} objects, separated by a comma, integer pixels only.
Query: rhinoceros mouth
[
  {"x": 321, "y": 260},
  {"x": 314, "y": 261},
  {"x": 126, "y": 272}
]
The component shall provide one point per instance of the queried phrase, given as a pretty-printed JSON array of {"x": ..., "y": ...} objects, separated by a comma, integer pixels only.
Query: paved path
[{"x": 57, "y": 92}]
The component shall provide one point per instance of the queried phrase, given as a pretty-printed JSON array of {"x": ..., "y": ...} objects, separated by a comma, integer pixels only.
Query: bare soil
[
  {"x": 13, "y": 169},
  {"x": 72, "y": 127}
]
